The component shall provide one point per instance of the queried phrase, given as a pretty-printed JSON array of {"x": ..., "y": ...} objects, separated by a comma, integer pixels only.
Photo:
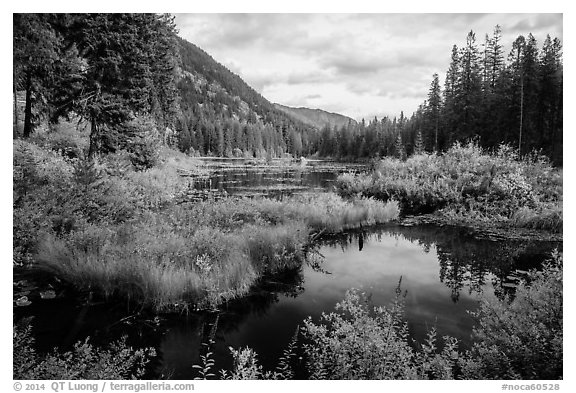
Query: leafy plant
[
  {"x": 84, "y": 361},
  {"x": 521, "y": 337},
  {"x": 467, "y": 184}
]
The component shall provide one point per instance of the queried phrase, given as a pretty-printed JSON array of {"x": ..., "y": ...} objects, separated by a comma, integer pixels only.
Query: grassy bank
[
  {"x": 200, "y": 254},
  {"x": 467, "y": 185},
  {"x": 120, "y": 229}
]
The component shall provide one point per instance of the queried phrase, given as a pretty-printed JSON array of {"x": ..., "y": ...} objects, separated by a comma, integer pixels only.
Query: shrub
[
  {"x": 521, "y": 338},
  {"x": 42, "y": 181},
  {"x": 515, "y": 338},
  {"x": 363, "y": 342},
  {"x": 84, "y": 361},
  {"x": 139, "y": 137},
  {"x": 246, "y": 366},
  {"x": 466, "y": 184},
  {"x": 67, "y": 138}
]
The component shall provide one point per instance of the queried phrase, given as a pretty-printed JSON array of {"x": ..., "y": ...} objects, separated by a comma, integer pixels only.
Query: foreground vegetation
[
  {"x": 467, "y": 185},
  {"x": 125, "y": 229},
  {"x": 84, "y": 361},
  {"x": 518, "y": 337}
]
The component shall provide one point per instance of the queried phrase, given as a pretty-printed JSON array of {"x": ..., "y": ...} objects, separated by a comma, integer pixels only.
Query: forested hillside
[
  {"x": 109, "y": 69},
  {"x": 223, "y": 116},
  {"x": 316, "y": 117}
]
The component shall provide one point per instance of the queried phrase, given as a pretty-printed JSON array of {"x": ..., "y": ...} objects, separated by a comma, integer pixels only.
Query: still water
[
  {"x": 441, "y": 272},
  {"x": 442, "y": 275},
  {"x": 242, "y": 177}
]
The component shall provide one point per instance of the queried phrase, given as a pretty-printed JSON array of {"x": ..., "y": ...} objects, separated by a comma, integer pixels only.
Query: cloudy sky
[{"x": 360, "y": 65}]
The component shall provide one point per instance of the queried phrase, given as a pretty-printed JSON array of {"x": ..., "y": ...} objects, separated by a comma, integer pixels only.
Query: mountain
[
  {"x": 221, "y": 114},
  {"x": 316, "y": 118},
  {"x": 212, "y": 84}
]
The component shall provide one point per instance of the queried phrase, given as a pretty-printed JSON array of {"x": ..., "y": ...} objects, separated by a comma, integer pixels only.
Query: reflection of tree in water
[
  {"x": 465, "y": 262},
  {"x": 187, "y": 333}
]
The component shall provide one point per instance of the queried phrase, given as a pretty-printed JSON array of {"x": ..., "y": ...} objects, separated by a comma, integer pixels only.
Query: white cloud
[{"x": 359, "y": 64}]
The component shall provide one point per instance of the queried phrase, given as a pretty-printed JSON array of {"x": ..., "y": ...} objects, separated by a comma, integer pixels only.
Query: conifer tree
[
  {"x": 418, "y": 143},
  {"x": 399, "y": 147},
  {"x": 36, "y": 47},
  {"x": 451, "y": 87},
  {"x": 121, "y": 62},
  {"x": 470, "y": 87},
  {"x": 433, "y": 109}
]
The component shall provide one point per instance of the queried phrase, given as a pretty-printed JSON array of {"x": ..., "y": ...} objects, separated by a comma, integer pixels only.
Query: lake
[{"x": 440, "y": 272}]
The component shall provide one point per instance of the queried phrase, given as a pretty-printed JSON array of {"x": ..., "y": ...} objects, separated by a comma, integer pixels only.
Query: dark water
[
  {"x": 442, "y": 274},
  {"x": 242, "y": 177},
  {"x": 443, "y": 271}
]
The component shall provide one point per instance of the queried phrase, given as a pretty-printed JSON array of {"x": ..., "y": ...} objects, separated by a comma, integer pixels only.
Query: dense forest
[
  {"x": 109, "y": 68},
  {"x": 486, "y": 97}
]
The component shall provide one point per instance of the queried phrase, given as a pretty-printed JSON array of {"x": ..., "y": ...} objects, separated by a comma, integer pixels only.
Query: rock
[
  {"x": 23, "y": 301},
  {"x": 49, "y": 294}
]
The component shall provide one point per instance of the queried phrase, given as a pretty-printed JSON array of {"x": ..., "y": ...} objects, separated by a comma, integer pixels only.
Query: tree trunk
[
  {"x": 436, "y": 134},
  {"x": 93, "y": 149},
  {"x": 15, "y": 130},
  {"x": 28, "y": 110},
  {"x": 521, "y": 115}
]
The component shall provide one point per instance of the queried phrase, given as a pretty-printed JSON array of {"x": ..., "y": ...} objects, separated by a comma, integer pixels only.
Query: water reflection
[
  {"x": 442, "y": 269},
  {"x": 465, "y": 263},
  {"x": 256, "y": 317},
  {"x": 242, "y": 177}
]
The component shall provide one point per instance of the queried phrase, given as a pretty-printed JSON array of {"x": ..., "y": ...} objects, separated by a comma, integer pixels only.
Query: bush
[
  {"x": 67, "y": 138},
  {"x": 518, "y": 337},
  {"x": 466, "y": 184},
  {"x": 363, "y": 342},
  {"x": 246, "y": 366},
  {"x": 116, "y": 361},
  {"x": 521, "y": 338},
  {"x": 42, "y": 181}
]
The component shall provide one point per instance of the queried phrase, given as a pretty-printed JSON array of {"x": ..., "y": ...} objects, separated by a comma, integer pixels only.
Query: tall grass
[
  {"x": 467, "y": 184},
  {"x": 200, "y": 254},
  {"x": 123, "y": 230},
  {"x": 203, "y": 255}
]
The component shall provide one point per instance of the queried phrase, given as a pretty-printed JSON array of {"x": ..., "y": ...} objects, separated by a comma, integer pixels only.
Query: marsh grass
[
  {"x": 121, "y": 231},
  {"x": 199, "y": 255},
  {"x": 549, "y": 218},
  {"x": 165, "y": 270},
  {"x": 467, "y": 185},
  {"x": 273, "y": 249}
]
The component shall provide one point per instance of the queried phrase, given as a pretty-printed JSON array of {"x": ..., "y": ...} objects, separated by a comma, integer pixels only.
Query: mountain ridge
[{"x": 315, "y": 117}]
